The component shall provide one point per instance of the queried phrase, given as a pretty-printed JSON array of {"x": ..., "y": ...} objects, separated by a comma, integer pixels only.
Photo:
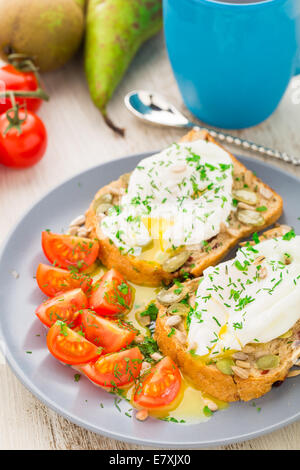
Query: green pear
[
  {"x": 48, "y": 31},
  {"x": 115, "y": 30}
]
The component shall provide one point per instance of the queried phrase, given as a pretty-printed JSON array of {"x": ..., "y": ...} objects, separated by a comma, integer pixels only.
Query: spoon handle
[{"x": 248, "y": 145}]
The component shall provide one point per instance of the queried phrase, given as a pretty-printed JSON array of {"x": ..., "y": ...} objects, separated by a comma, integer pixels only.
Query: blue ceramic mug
[{"x": 233, "y": 59}]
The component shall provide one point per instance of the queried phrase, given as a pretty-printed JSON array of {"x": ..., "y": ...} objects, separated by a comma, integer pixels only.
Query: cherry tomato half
[
  {"x": 20, "y": 150},
  {"x": 110, "y": 335},
  {"x": 111, "y": 295},
  {"x": 17, "y": 80},
  {"x": 53, "y": 281},
  {"x": 66, "y": 250},
  {"x": 69, "y": 346},
  {"x": 160, "y": 387},
  {"x": 63, "y": 307},
  {"x": 115, "y": 370}
]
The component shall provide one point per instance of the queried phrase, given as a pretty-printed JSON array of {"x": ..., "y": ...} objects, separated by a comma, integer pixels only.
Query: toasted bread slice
[
  {"x": 207, "y": 377},
  {"x": 150, "y": 273}
]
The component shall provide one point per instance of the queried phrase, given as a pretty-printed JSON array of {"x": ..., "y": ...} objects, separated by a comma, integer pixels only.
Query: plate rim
[{"x": 29, "y": 384}]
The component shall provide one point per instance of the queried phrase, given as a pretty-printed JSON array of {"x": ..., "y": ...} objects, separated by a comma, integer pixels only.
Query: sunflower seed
[
  {"x": 173, "y": 320},
  {"x": 181, "y": 336},
  {"x": 241, "y": 356},
  {"x": 248, "y": 349},
  {"x": 243, "y": 364},
  {"x": 73, "y": 230},
  {"x": 265, "y": 192},
  {"x": 210, "y": 404},
  {"x": 82, "y": 232},
  {"x": 156, "y": 356},
  {"x": 242, "y": 373},
  {"x": 78, "y": 221},
  {"x": 293, "y": 373},
  {"x": 142, "y": 415}
]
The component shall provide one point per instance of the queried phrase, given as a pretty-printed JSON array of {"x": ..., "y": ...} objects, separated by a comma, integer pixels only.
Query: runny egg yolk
[{"x": 158, "y": 248}]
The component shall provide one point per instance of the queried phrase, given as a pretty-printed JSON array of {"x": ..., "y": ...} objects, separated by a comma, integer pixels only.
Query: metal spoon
[{"x": 153, "y": 108}]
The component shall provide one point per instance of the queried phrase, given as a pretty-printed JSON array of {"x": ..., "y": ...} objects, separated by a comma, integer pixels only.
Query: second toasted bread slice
[{"x": 246, "y": 381}]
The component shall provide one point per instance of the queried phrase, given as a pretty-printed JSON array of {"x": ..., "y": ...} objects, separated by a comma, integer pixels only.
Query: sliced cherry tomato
[
  {"x": 111, "y": 295},
  {"x": 53, "y": 281},
  {"x": 23, "y": 147},
  {"x": 115, "y": 370},
  {"x": 63, "y": 307},
  {"x": 160, "y": 387},
  {"x": 110, "y": 335},
  {"x": 69, "y": 346},
  {"x": 65, "y": 250},
  {"x": 17, "y": 80}
]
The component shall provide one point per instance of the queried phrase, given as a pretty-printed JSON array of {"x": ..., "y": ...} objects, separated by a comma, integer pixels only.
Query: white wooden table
[{"x": 78, "y": 139}]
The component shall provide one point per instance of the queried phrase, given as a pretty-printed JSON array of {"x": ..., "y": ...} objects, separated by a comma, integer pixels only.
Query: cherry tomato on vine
[
  {"x": 24, "y": 144},
  {"x": 17, "y": 80}
]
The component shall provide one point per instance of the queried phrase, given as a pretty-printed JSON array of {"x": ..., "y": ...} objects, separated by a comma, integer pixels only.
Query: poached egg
[
  {"x": 253, "y": 298},
  {"x": 178, "y": 197}
]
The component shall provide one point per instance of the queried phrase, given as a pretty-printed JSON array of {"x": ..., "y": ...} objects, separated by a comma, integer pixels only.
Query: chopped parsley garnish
[
  {"x": 150, "y": 311},
  {"x": 289, "y": 235}
]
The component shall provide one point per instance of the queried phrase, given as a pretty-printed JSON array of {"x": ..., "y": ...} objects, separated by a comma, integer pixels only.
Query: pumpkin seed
[
  {"x": 169, "y": 297},
  {"x": 178, "y": 309},
  {"x": 248, "y": 217},
  {"x": 287, "y": 334},
  {"x": 143, "y": 320},
  {"x": 268, "y": 362},
  {"x": 245, "y": 195},
  {"x": 225, "y": 366},
  {"x": 175, "y": 262},
  {"x": 103, "y": 208},
  {"x": 103, "y": 199}
]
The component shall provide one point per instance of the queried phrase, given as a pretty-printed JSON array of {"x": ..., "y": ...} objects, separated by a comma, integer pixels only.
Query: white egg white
[
  {"x": 186, "y": 187},
  {"x": 253, "y": 298}
]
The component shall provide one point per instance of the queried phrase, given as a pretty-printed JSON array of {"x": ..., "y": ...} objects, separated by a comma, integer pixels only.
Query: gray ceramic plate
[{"x": 79, "y": 402}]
